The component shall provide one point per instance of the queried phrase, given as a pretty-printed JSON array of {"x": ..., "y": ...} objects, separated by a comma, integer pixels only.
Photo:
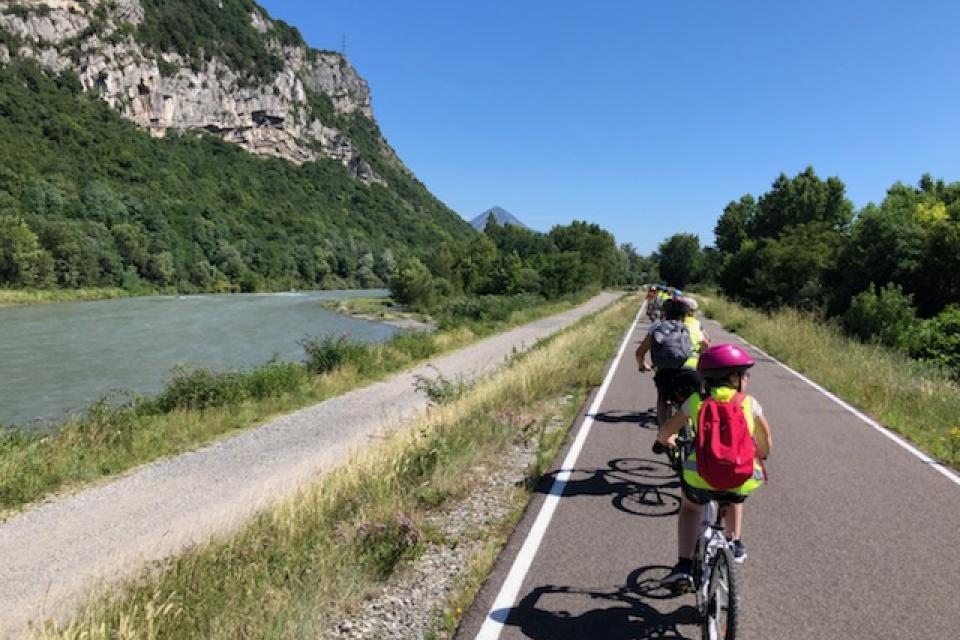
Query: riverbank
[
  {"x": 914, "y": 399},
  {"x": 18, "y": 297},
  {"x": 382, "y": 309},
  {"x": 300, "y": 569},
  {"x": 199, "y": 407}
]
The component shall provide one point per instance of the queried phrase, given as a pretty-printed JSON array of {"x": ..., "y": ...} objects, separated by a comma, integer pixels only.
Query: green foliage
[
  {"x": 201, "y": 31},
  {"x": 679, "y": 258},
  {"x": 484, "y": 309},
  {"x": 201, "y": 389},
  {"x": 382, "y": 545},
  {"x": 112, "y": 206},
  {"x": 939, "y": 340},
  {"x": 418, "y": 345},
  {"x": 329, "y": 352},
  {"x": 801, "y": 200},
  {"x": 440, "y": 390},
  {"x": 413, "y": 284},
  {"x": 731, "y": 228},
  {"x": 886, "y": 316},
  {"x": 799, "y": 245},
  {"x": 22, "y": 262}
]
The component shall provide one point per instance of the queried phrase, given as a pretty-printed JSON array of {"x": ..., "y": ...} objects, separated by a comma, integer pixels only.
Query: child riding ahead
[{"x": 726, "y": 372}]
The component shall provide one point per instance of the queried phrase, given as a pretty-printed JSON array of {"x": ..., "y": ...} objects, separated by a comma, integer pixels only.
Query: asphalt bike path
[
  {"x": 854, "y": 536},
  {"x": 55, "y": 551}
]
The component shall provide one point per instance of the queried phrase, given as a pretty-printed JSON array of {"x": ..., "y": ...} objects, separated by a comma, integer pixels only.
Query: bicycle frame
[{"x": 710, "y": 542}]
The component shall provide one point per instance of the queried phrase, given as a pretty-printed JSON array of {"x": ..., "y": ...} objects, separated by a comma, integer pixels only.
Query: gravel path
[{"x": 52, "y": 553}]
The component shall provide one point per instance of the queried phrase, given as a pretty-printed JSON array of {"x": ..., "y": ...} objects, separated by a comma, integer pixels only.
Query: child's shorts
[{"x": 703, "y": 496}]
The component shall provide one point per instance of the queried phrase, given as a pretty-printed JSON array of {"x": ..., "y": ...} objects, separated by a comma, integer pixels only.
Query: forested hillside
[
  {"x": 89, "y": 199},
  {"x": 86, "y": 199},
  {"x": 888, "y": 273}
]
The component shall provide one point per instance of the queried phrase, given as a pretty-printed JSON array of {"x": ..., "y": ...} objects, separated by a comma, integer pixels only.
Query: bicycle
[{"x": 715, "y": 582}]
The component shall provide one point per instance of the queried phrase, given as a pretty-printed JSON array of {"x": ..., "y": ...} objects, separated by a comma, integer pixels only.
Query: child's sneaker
[
  {"x": 680, "y": 578},
  {"x": 739, "y": 552}
]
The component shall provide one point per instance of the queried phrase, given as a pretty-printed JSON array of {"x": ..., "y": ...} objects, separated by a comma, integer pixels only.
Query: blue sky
[{"x": 645, "y": 116}]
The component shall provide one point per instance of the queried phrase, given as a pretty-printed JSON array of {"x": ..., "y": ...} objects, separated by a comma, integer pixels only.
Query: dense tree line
[
  {"x": 509, "y": 260},
  {"x": 87, "y": 199},
  {"x": 889, "y": 272}
]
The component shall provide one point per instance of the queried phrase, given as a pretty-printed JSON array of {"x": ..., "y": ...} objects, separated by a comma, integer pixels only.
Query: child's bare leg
[
  {"x": 688, "y": 528},
  {"x": 734, "y": 521}
]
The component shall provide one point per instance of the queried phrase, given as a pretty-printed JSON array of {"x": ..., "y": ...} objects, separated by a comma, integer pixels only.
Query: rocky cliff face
[{"x": 163, "y": 91}]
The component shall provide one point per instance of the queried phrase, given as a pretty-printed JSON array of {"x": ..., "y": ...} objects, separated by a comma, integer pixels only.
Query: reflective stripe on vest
[{"x": 690, "y": 475}]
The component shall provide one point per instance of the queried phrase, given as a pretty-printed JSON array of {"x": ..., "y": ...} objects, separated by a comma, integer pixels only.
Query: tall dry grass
[
  {"x": 298, "y": 566},
  {"x": 914, "y": 399}
]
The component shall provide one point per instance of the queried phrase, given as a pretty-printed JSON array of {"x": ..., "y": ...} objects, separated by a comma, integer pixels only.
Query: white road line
[
  {"x": 933, "y": 463},
  {"x": 492, "y": 627}
]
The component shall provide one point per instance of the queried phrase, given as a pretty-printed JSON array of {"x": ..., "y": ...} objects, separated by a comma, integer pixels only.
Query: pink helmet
[{"x": 723, "y": 359}]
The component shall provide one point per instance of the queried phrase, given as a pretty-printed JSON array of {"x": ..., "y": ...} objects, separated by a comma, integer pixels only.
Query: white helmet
[{"x": 691, "y": 303}]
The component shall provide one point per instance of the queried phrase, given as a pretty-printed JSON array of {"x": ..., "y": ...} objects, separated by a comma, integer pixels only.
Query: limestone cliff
[{"x": 292, "y": 112}]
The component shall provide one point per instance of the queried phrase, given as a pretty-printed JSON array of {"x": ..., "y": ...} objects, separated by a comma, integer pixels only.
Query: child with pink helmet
[{"x": 726, "y": 372}]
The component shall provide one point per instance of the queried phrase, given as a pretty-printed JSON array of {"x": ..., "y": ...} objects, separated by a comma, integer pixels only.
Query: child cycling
[
  {"x": 674, "y": 350},
  {"x": 699, "y": 337},
  {"x": 726, "y": 372}
]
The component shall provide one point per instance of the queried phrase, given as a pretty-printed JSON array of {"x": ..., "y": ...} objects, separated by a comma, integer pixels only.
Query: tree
[
  {"x": 562, "y": 273},
  {"x": 679, "y": 258},
  {"x": 596, "y": 246},
  {"x": 802, "y": 199},
  {"x": 22, "y": 262},
  {"x": 731, "y": 228},
  {"x": 412, "y": 284}
]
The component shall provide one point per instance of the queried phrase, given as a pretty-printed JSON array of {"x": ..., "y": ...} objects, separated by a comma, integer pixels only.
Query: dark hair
[{"x": 674, "y": 309}]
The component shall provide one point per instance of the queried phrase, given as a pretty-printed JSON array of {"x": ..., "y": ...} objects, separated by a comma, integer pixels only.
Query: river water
[{"x": 60, "y": 358}]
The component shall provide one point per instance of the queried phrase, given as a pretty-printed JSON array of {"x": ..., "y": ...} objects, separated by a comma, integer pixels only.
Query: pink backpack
[{"x": 724, "y": 447}]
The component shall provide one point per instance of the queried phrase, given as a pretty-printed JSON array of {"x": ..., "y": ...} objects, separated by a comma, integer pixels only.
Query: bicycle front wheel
[{"x": 723, "y": 599}]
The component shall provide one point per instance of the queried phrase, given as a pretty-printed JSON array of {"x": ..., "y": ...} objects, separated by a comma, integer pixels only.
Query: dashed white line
[{"x": 496, "y": 616}]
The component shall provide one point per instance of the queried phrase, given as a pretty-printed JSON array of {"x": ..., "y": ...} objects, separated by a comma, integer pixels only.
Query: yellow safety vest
[
  {"x": 690, "y": 475},
  {"x": 696, "y": 337}
]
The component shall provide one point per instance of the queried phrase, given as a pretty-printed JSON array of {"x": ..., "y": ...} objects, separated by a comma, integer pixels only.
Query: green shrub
[
  {"x": 330, "y": 352},
  {"x": 381, "y": 545},
  {"x": 416, "y": 344},
  {"x": 200, "y": 389},
  {"x": 484, "y": 308},
  {"x": 885, "y": 316},
  {"x": 939, "y": 340},
  {"x": 440, "y": 390},
  {"x": 274, "y": 379}
]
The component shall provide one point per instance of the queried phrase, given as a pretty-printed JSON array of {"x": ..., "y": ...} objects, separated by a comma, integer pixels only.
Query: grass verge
[
  {"x": 199, "y": 406},
  {"x": 914, "y": 399},
  {"x": 294, "y": 569}
]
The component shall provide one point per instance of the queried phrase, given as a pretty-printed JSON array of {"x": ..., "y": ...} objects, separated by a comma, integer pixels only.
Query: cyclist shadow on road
[
  {"x": 546, "y": 612},
  {"x": 645, "y": 419},
  {"x": 638, "y": 486}
]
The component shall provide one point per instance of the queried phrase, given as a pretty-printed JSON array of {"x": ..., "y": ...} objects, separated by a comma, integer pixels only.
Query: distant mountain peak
[{"x": 501, "y": 215}]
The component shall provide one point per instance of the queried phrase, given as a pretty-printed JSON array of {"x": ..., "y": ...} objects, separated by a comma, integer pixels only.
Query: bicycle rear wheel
[{"x": 723, "y": 599}]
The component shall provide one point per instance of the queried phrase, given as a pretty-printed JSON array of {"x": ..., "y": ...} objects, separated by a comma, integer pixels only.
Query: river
[{"x": 60, "y": 358}]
